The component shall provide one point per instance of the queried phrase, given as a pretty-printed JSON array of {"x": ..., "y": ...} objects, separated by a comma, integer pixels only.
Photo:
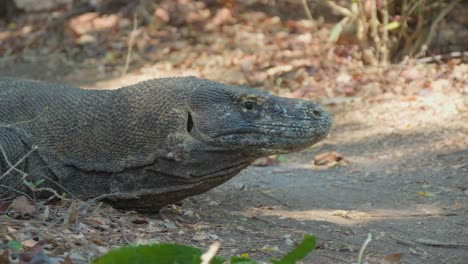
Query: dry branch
[{"x": 34, "y": 148}]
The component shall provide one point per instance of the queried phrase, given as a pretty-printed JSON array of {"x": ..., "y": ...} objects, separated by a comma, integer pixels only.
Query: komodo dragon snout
[{"x": 145, "y": 145}]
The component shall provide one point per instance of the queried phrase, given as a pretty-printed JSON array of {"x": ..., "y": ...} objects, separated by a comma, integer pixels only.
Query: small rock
[
  {"x": 200, "y": 237},
  {"x": 213, "y": 236},
  {"x": 170, "y": 225},
  {"x": 188, "y": 213},
  {"x": 239, "y": 186}
]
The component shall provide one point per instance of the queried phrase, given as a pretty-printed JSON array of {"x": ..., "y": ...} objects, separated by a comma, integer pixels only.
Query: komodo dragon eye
[{"x": 249, "y": 105}]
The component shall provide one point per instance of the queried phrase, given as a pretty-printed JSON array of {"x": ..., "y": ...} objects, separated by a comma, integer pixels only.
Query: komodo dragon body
[{"x": 146, "y": 145}]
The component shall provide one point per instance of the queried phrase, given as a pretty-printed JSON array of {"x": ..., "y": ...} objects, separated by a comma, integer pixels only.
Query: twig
[
  {"x": 210, "y": 254},
  {"x": 335, "y": 258},
  {"x": 342, "y": 10},
  {"x": 405, "y": 243},
  {"x": 131, "y": 39},
  {"x": 273, "y": 198},
  {"x": 434, "y": 243},
  {"x": 385, "y": 42},
  {"x": 124, "y": 236},
  {"x": 56, "y": 183},
  {"x": 451, "y": 55},
  {"x": 434, "y": 25},
  {"x": 34, "y": 148},
  {"x": 363, "y": 248},
  {"x": 5, "y": 157},
  {"x": 53, "y": 192},
  {"x": 46, "y": 110},
  {"x": 14, "y": 190},
  {"x": 307, "y": 10},
  {"x": 104, "y": 196},
  {"x": 431, "y": 243}
]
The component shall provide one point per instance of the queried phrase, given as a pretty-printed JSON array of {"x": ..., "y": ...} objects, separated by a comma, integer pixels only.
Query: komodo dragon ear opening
[{"x": 189, "y": 123}]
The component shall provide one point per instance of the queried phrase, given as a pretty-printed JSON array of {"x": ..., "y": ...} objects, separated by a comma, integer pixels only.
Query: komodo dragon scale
[{"x": 145, "y": 145}]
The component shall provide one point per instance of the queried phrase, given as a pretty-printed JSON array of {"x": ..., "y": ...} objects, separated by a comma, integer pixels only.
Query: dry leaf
[
  {"x": 67, "y": 260},
  {"x": 4, "y": 256},
  {"x": 45, "y": 214},
  {"x": 23, "y": 206},
  {"x": 4, "y": 207},
  {"x": 411, "y": 74},
  {"x": 341, "y": 213},
  {"x": 29, "y": 243},
  {"x": 99, "y": 242},
  {"x": 394, "y": 258},
  {"x": 327, "y": 158},
  {"x": 266, "y": 161},
  {"x": 32, "y": 253},
  {"x": 139, "y": 221},
  {"x": 72, "y": 215}
]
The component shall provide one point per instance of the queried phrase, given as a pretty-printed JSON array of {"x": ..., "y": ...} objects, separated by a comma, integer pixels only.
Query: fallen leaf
[
  {"x": 13, "y": 244},
  {"x": 45, "y": 214},
  {"x": 327, "y": 158},
  {"x": 29, "y": 243},
  {"x": 139, "y": 221},
  {"x": 266, "y": 161},
  {"x": 268, "y": 248},
  {"x": 349, "y": 91},
  {"x": 341, "y": 213},
  {"x": 162, "y": 14},
  {"x": 5, "y": 256},
  {"x": 394, "y": 258},
  {"x": 24, "y": 206},
  {"x": 67, "y": 260},
  {"x": 426, "y": 194},
  {"x": 4, "y": 207},
  {"x": 99, "y": 242},
  {"x": 72, "y": 215},
  {"x": 200, "y": 236},
  {"x": 29, "y": 254},
  {"x": 411, "y": 74},
  {"x": 170, "y": 225}
]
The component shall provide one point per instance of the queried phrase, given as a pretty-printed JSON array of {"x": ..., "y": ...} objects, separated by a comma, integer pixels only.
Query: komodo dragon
[{"x": 146, "y": 145}]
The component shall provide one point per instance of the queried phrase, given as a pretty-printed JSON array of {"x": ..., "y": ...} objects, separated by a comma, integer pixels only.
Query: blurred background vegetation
[{"x": 122, "y": 36}]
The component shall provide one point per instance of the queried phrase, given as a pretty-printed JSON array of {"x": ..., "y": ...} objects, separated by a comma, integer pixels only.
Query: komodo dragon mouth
[{"x": 195, "y": 134}]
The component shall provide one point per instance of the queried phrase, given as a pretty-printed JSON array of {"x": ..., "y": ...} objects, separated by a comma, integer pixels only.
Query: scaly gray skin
[{"x": 149, "y": 144}]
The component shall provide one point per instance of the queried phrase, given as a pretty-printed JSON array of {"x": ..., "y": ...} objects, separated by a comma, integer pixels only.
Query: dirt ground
[
  {"x": 403, "y": 179},
  {"x": 402, "y": 133}
]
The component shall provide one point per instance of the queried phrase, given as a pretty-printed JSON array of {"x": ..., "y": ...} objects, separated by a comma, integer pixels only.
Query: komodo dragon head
[
  {"x": 215, "y": 131},
  {"x": 254, "y": 122}
]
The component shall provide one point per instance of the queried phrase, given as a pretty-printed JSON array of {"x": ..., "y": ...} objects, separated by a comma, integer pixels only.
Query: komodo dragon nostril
[{"x": 316, "y": 112}]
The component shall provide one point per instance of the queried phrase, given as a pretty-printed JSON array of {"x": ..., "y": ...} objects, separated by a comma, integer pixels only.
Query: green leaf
[
  {"x": 281, "y": 158},
  {"x": 29, "y": 184},
  {"x": 157, "y": 253},
  {"x": 300, "y": 252},
  {"x": 12, "y": 26},
  {"x": 13, "y": 244},
  {"x": 242, "y": 260},
  {"x": 38, "y": 182},
  {"x": 110, "y": 57},
  {"x": 392, "y": 25},
  {"x": 335, "y": 32}
]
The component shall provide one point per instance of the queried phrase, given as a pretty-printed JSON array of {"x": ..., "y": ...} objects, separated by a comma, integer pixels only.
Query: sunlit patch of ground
[{"x": 351, "y": 217}]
